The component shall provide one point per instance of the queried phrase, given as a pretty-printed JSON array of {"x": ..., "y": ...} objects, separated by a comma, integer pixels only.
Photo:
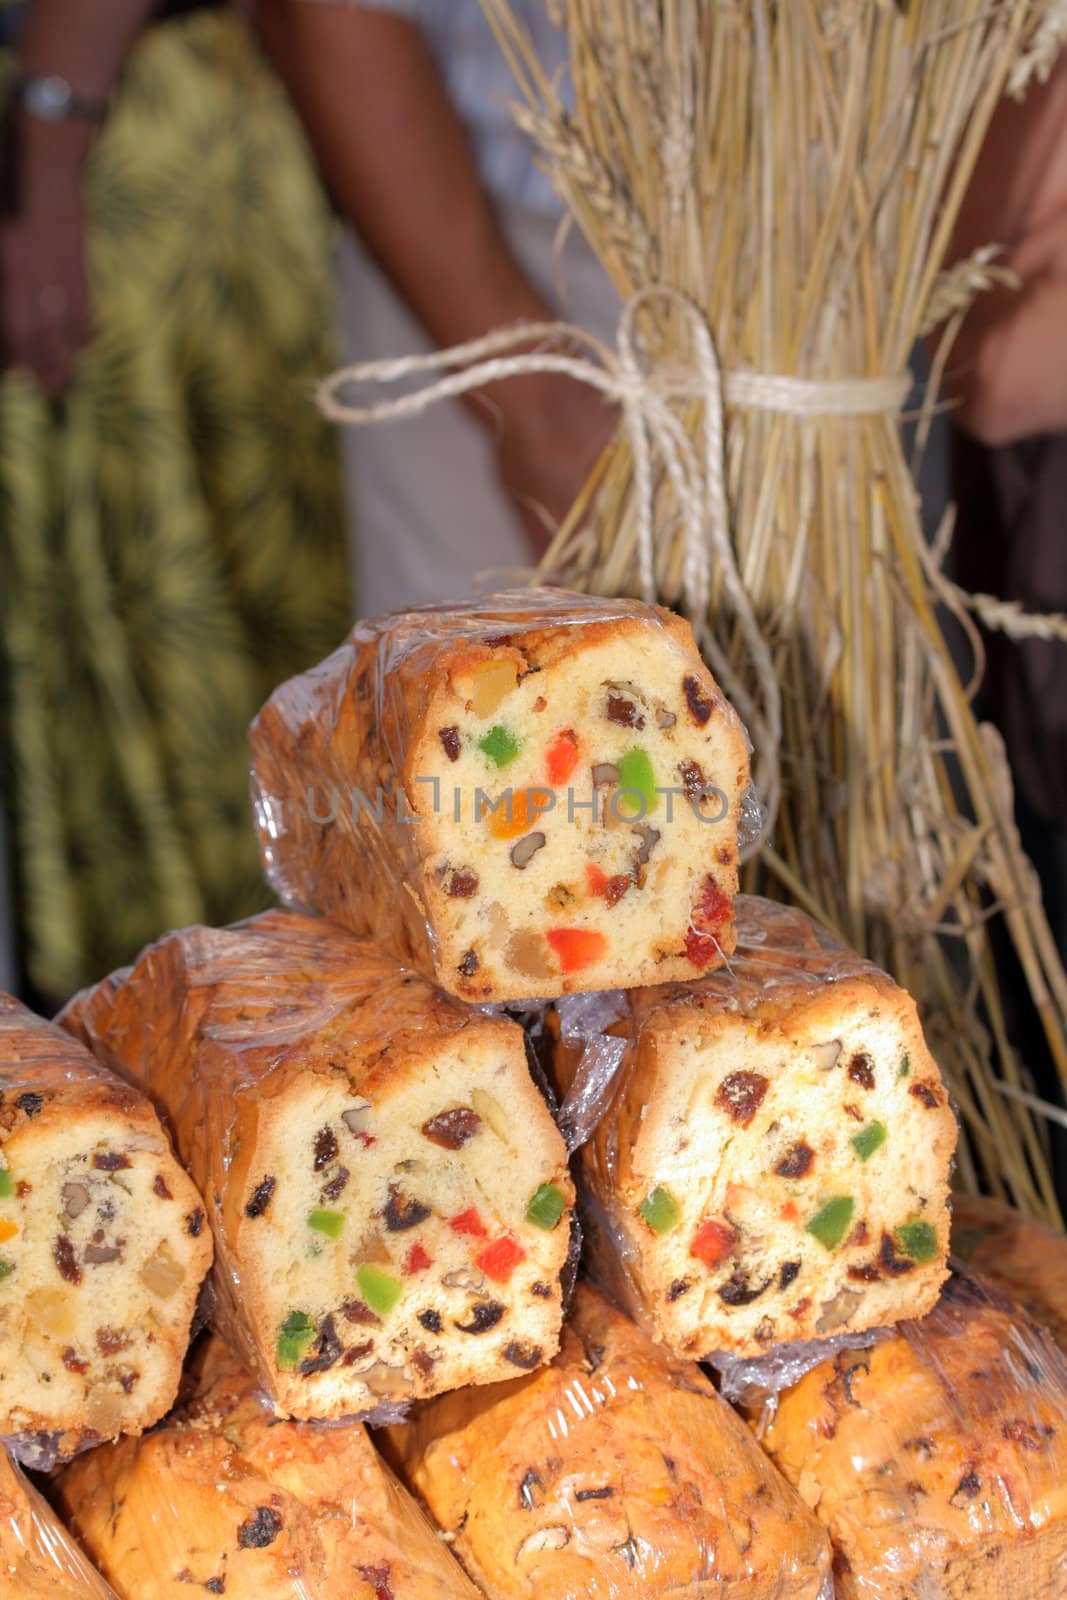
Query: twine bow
[{"x": 644, "y": 394}]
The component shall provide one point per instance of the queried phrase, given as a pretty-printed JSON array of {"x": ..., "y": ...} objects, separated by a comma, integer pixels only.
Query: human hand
[
  {"x": 550, "y": 431},
  {"x": 44, "y": 297}
]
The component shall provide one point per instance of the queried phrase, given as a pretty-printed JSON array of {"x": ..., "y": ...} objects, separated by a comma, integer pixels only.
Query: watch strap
[{"x": 51, "y": 98}]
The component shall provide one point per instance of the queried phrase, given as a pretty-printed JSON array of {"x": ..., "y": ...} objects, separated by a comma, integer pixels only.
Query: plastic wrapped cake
[
  {"x": 535, "y": 793},
  {"x": 937, "y": 1459},
  {"x": 389, "y": 1192},
  {"x": 774, "y": 1160},
  {"x": 103, "y": 1247}
]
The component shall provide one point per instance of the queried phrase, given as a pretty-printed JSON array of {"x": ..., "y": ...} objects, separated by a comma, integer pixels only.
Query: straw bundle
[{"x": 795, "y": 170}]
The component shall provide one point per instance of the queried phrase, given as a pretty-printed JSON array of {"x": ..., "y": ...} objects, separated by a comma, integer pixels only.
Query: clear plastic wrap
[
  {"x": 616, "y": 1473},
  {"x": 100, "y": 1245},
  {"x": 585, "y": 1023},
  {"x": 224, "y": 1499},
  {"x": 768, "y": 1149},
  {"x": 470, "y": 785},
  {"x": 754, "y": 1385},
  {"x": 937, "y": 1460},
  {"x": 381, "y": 1144},
  {"x": 38, "y": 1558},
  {"x": 1021, "y": 1257}
]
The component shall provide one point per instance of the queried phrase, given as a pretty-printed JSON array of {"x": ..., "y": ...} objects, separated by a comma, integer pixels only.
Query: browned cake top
[
  {"x": 39, "y": 1061},
  {"x": 782, "y": 956},
  {"x": 1023, "y": 1258},
  {"x": 225, "y": 1498},
  {"x": 615, "y": 1470},
  {"x": 266, "y": 994},
  {"x": 38, "y": 1559},
  {"x": 949, "y": 1437}
]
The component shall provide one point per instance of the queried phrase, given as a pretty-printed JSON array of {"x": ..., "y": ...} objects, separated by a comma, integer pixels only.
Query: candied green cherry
[
  {"x": 500, "y": 745},
  {"x": 6, "y": 1269},
  {"x": 635, "y": 773},
  {"x": 547, "y": 1205},
  {"x": 328, "y": 1222},
  {"x": 868, "y": 1140},
  {"x": 660, "y": 1210},
  {"x": 296, "y": 1333},
  {"x": 379, "y": 1289},
  {"x": 7, "y": 1183},
  {"x": 831, "y": 1222},
  {"x": 904, "y": 1068},
  {"x": 916, "y": 1239}
]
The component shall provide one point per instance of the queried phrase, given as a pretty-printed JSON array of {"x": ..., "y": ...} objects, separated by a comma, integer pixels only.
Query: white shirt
[{"x": 482, "y": 88}]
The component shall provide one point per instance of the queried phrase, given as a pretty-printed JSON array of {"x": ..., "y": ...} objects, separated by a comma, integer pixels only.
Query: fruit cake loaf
[
  {"x": 1023, "y": 1258},
  {"x": 392, "y": 1205},
  {"x": 937, "y": 1460},
  {"x": 775, "y": 1161},
  {"x": 103, "y": 1247},
  {"x": 225, "y": 1500},
  {"x": 615, "y": 1473},
  {"x": 484, "y": 790},
  {"x": 38, "y": 1558}
]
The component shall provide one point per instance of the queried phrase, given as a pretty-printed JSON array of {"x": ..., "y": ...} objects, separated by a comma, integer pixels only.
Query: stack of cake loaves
[{"x": 507, "y": 838}]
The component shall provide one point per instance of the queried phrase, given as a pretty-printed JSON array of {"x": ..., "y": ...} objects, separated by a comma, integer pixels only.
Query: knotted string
[{"x": 644, "y": 395}]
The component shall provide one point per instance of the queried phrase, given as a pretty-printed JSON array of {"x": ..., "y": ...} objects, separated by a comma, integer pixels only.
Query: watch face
[{"x": 49, "y": 98}]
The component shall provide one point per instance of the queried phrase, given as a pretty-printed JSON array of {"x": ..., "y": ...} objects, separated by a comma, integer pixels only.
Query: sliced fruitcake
[
  {"x": 393, "y": 1207},
  {"x": 103, "y": 1247},
  {"x": 536, "y": 793},
  {"x": 775, "y": 1161}
]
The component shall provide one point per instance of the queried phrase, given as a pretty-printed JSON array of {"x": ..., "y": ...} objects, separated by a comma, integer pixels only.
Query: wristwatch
[{"x": 52, "y": 99}]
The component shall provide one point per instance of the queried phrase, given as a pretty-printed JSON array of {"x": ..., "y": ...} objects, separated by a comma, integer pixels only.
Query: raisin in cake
[
  {"x": 38, "y": 1558},
  {"x": 484, "y": 789},
  {"x": 775, "y": 1162},
  {"x": 937, "y": 1460},
  {"x": 225, "y": 1500},
  {"x": 103, "y": 1247},
  {"x": 617, "y": 1473},
  {"x": 1023, "y": 1258},
  {"x": 393, "y": 1208}
]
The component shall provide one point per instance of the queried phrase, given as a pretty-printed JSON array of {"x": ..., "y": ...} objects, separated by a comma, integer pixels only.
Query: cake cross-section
[
  {"x": 530, "y": 795},
  {"x": 103, "y": 1246},
  {"x": 390, "y": 1195},
  {"x": 775, "y": 1161}
]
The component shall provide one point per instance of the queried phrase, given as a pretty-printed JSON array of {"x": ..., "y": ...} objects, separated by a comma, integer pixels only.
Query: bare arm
[
  {"x": 1010, "y": 363},
  {"x": 44, "y": 308},
  {"x": 400, "y": 166}
]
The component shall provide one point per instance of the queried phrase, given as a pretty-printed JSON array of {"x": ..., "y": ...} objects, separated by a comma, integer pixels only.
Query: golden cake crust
[
  {"x": 38, "y": 1558},
  {"x": 1023, "y": 1258},
  {"x": 224, "y": 1499},
  {"x": 937, "y": 1460},
  {"x": 616, "y": 1472}
]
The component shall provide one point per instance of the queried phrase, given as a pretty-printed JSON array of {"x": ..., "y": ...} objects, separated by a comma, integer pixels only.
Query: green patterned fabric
[{"x": 171, "y": 534}]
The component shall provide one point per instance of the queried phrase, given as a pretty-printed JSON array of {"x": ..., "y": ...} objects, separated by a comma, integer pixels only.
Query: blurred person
[
  {"x": 455, "y": 232},
  {"x": 171, "y": 527},
  {"x": 1009, "y": 478},
  {"x": 1009, "y": 373}
]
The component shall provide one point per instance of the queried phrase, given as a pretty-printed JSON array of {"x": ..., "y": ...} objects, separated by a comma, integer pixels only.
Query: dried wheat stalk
[{"x": 796, "y": 170}]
